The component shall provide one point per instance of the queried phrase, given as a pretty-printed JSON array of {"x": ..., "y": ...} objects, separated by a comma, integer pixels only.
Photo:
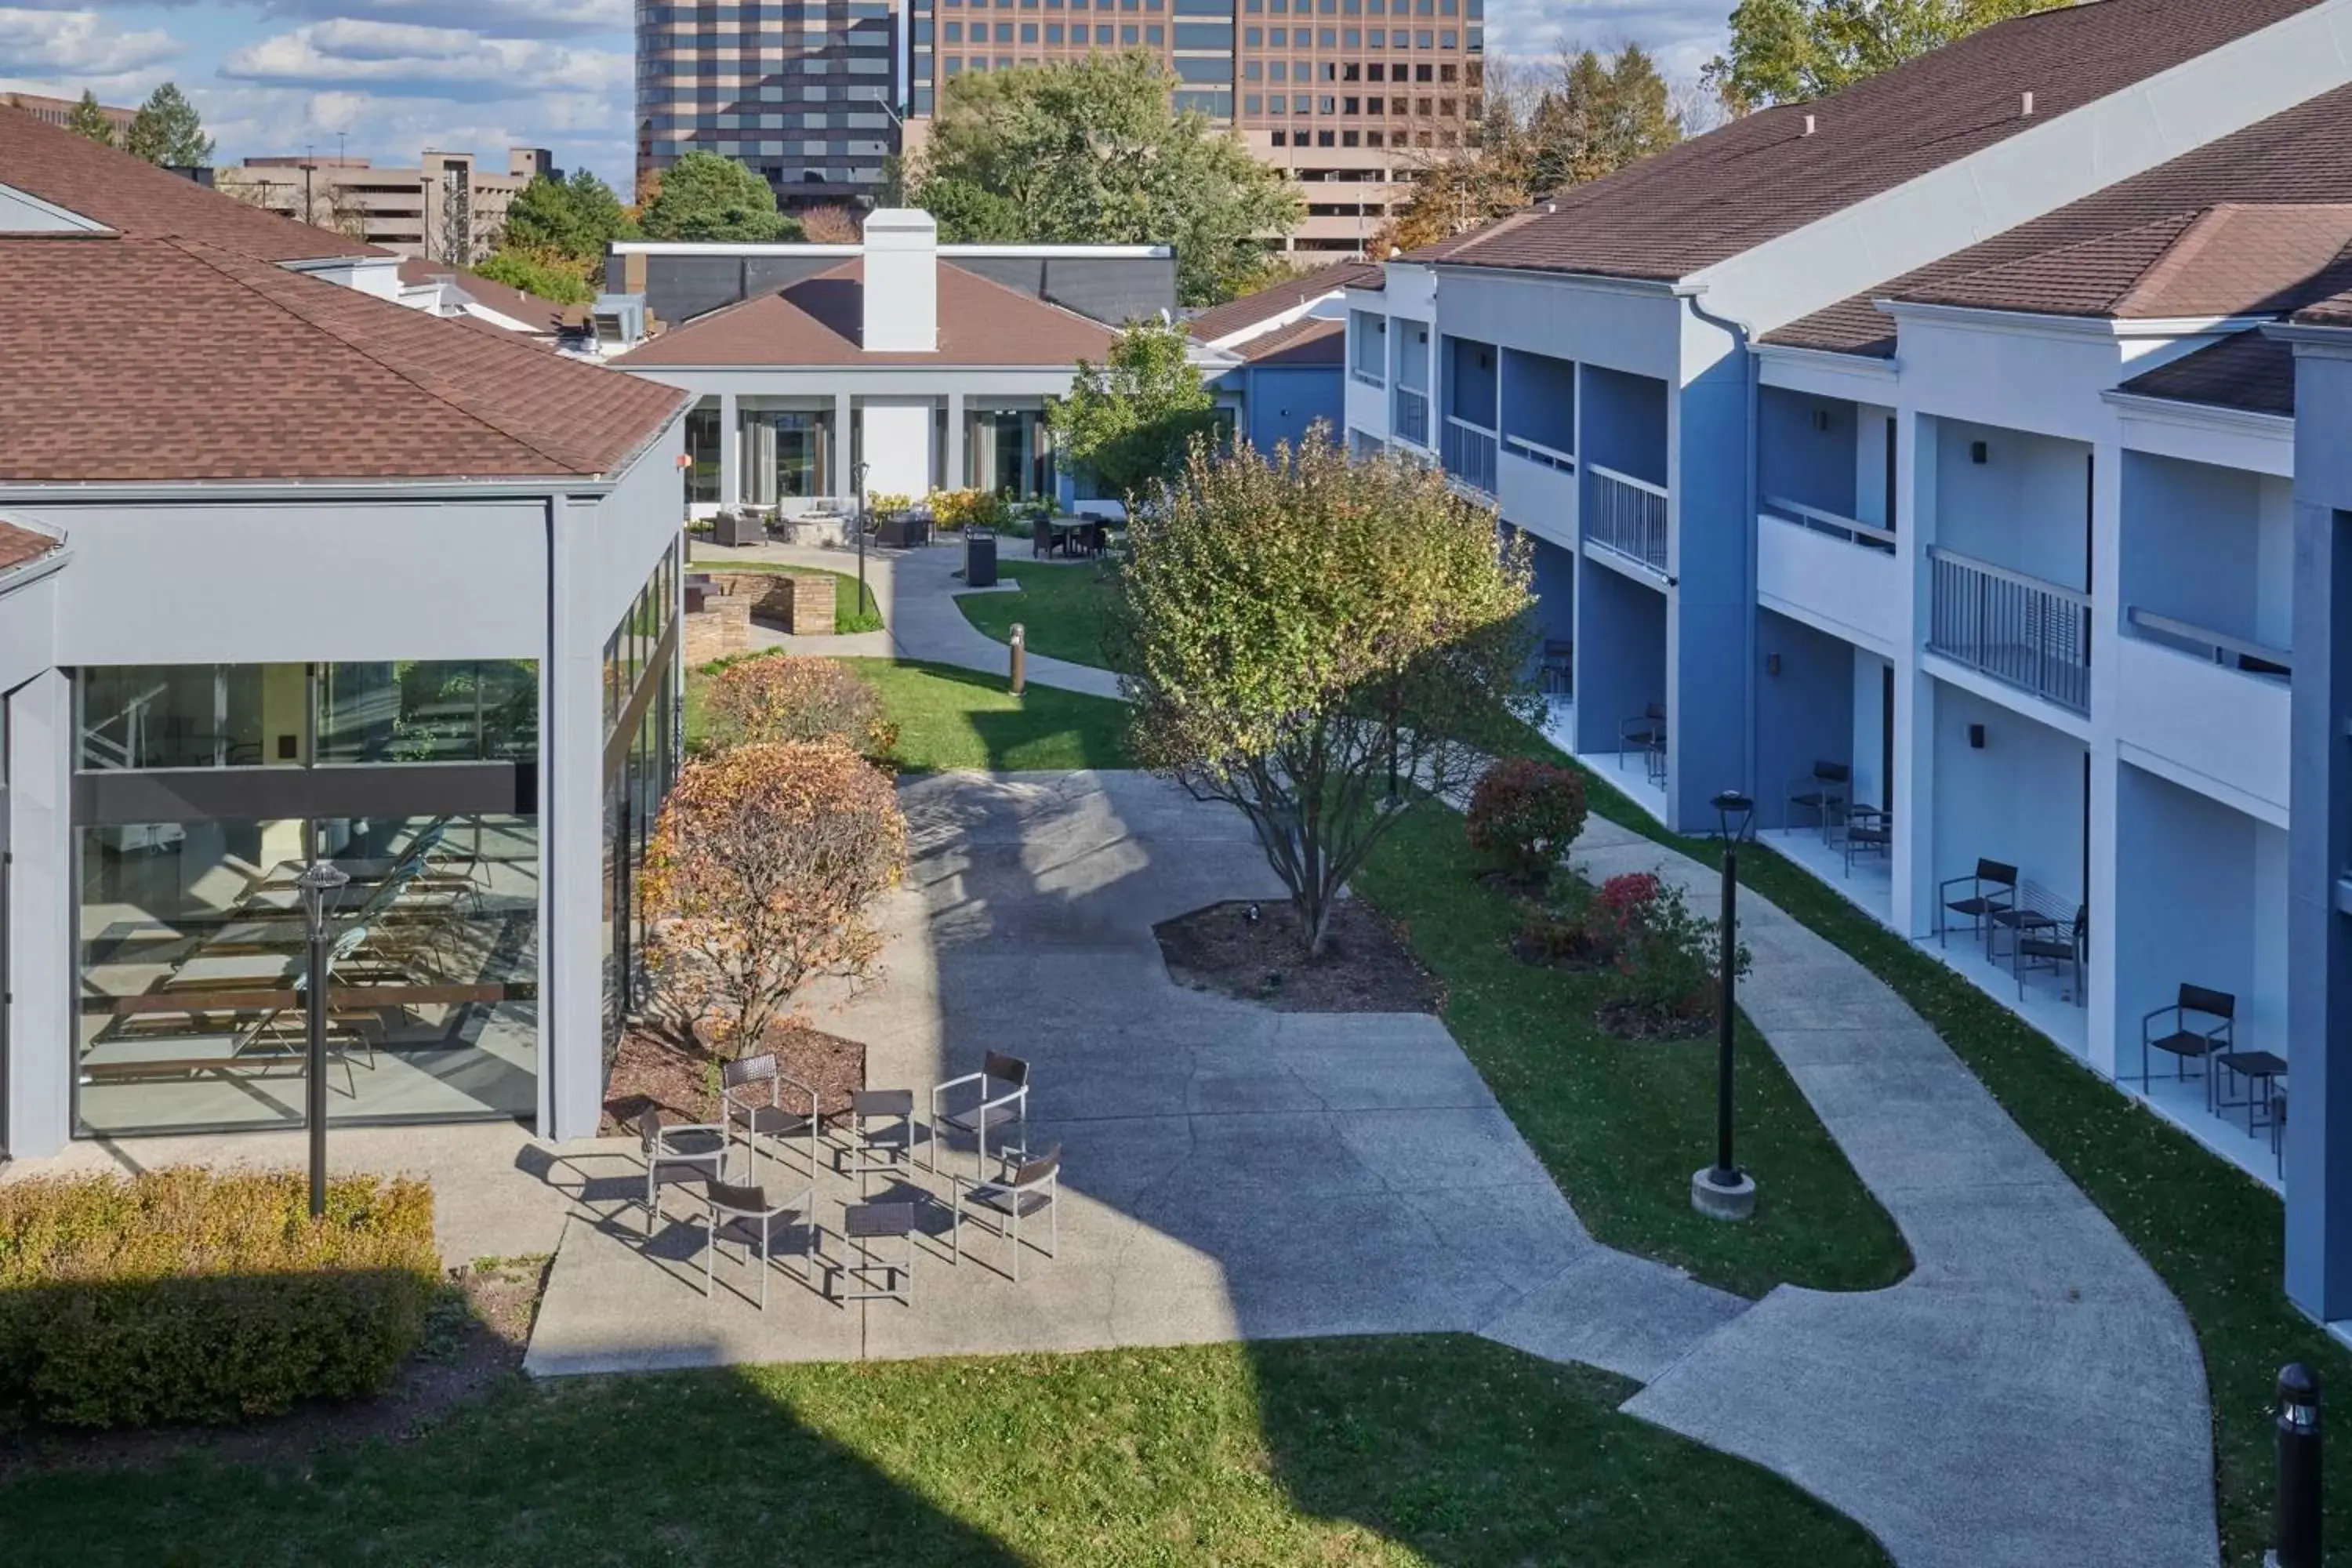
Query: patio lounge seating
[
  {"x": 1002, "y": 1086},
  {"x": 745, "y": 1214},
  {"x": 753, "y": 1088},
  {"x": 1645, "y": 734},
  {"x": 1032, "y": 1185},
  {"x": 2182, "y": 1037},
  {"x": 1825, "y": 792},
  {"x": 2046, "y": 949},
  {"x": 690, "y": 1152},
  {"x": 1991, "y": 888}
]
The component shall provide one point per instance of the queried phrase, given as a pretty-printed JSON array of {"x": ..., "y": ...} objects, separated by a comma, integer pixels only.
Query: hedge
[{"x": 186, "y": 1295}]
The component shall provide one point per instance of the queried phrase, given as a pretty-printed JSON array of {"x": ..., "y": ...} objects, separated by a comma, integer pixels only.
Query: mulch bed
[
  {"x": 1624, "y": 1019},
  {"x": 656, "y": 1067},
  {"x": 1366, "y": 965},
  {"x": 474, "y": 1336}
]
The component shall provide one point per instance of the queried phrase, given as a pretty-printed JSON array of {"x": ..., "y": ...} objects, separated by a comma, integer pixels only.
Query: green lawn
[
  {"x": 1621, "y": 1126},
  {"x": 2215, "y": 1236},
  {"x": 1436, "y": 1450},
  {"x": 1064, "y": 608},
  {"x": 949, "y": 717},
  {"x": 847, "y": 616}
]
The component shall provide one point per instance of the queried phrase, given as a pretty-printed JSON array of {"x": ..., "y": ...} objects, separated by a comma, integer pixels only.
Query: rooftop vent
[
  {"x": 2026, "y": 108},
  {"x": 1809, "y": 124},
  {"x": 618, "y": 319}
]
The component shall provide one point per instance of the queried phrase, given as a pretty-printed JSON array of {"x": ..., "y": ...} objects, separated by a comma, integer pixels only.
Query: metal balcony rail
[
  {"x": 1627, "y": 515},
  {"x": 1870, "y": 536},
  {"x": 2021, "y": 630},
  {"x": 1371, "y": 378},
  {"x": 1409, "y": 421},
  {"x": 1469, "y": 455},
  {"x": 1537, "y": 452},
  {"x": 2231, "y": 653}
]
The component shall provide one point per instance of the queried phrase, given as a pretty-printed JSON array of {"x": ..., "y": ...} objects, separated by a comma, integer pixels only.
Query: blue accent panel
[
  {"x": 1620, "y": 654},
  {"x": 1625, "y": 423},
  {"x": 1281, "y": 402},
  {"x": 1472, "y": 377},
  {"x": 1715, "y": 593},
  {"x": 1803, "y": 715},
  {"x": 1555, "y": 589},
  {"x": 1802, "y": 461}
]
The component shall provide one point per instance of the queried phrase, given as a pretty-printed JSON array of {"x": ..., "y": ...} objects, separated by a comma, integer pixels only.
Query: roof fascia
[
  {"x": 2046, "y": 324},
  {"x": 1598, "y": 282},
  {"x": 1869, "y": 367},
  {"x": 22, "y": 492},
  {"x": 2311, "y": 338},
  {"x": 2201, "y": 415}
]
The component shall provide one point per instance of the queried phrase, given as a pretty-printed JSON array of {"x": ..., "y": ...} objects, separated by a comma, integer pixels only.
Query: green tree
[
  {"x": 167, "y": 129},
  {"x": 1093, "y": 151},
  {"x": 550, "y": 277},
  {"x": 573, "y": 220},
  {"x": 1293, "y": 624},
  {"x": 704, "y": 196},
  {"x": 1130, "y": 420},
  {"x": 87, "y": 119},
  {"x": 1789, "y": 51}
]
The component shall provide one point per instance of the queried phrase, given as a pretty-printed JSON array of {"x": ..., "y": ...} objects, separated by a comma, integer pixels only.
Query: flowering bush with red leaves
[{"x": 1526, "y": 813}]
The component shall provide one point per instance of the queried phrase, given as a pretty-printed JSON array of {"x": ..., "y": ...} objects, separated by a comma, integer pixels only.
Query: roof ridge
[
  {"x": 2182, "y": 219},
  {"x": 463, "y": 404}
]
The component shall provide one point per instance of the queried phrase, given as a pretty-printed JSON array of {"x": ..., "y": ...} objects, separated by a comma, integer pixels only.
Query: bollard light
[
  {"x": 2297, "y": 1530},
  {"x": 1019, "y": 644}
]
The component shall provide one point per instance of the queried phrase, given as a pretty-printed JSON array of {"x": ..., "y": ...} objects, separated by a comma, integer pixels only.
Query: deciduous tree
[
  {"x": 1296, "y": 622},
  {"x": 571, "y": 218},
  {"x": 1787, "y": 51},
  {"x": 758, "y": 878},
  {"x": 1093, "y": 151},
  {"x": 704, "y": 196},
  {"x": 87, "y": 119},
  {"x": 1129, "y": 420},
  {"x": 168, "y": 130}
]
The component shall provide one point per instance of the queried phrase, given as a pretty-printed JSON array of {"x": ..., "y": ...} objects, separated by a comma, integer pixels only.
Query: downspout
[{"x": 1743, "y": 338}]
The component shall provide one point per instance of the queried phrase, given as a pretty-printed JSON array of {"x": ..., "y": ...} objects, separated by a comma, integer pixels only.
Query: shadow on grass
[{"x": 950, "y": 717}]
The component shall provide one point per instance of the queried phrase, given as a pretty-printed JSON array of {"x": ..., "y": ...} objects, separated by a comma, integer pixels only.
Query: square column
[
  {"x": 952, "y": 475},
  {"x": 845, "y": 414},
  {"x": 731, "y": 453},
  {"x": 41, "y": 1043}
]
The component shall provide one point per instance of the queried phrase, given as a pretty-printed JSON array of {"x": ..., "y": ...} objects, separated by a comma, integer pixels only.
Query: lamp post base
[{"x": 1735, "y": 1202}]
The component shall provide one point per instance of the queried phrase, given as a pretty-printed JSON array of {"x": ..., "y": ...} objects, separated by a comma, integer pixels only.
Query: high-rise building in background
[
  {"x": 1346, "y": 96},
  {"x": 804, "y": 92},
  {"x": 448, "y": 208}
]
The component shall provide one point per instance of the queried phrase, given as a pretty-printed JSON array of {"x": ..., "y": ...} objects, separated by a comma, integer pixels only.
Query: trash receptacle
[{"x": 979, "y": 558}]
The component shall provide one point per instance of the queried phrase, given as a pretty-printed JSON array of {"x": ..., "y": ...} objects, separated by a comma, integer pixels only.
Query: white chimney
[{"x": 902, "y": 281}]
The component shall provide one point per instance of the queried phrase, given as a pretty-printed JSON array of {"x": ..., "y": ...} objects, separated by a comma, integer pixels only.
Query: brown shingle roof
[
  {"x": 1310, "y": 341},
  {"x": 169, "y": 359},
  {"x": 23, "y": 546},
  {"x": 1761, "y": 177},
  {"x": 2160, "y": 242},
  {"x": 817, "y": 320},
  {"x": 134, "y": 197},
  {"x": 2245, "y": 371},
  {"x": 2331, "y": 313},
  {"x": 1223, "y": 320},
  {"x": 542, "y": 315}
]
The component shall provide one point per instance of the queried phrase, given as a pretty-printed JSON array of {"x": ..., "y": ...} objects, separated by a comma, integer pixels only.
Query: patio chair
[
  {"x": 1042, "y": 540},
  {"x": 745, "y": 1214},
  {"x": 752, "y": 1089},
  {"x": 2045, "y": 949},
  {"x": 1558, "y": 667},
  {"x": 1002, "y": 1086},
  {"x": 687, "y": 1152},
  {"x": 1866, "y": 830},
  {"x": 1032, "y": 1185},
  {"x": 1991, "y": 888},
  {"x": 2183, "y": 1040},
  {"x": 2278, "y": 1132},
  {"x": 1823, "y": 792},
  {"x": 1647, "y": 735}
]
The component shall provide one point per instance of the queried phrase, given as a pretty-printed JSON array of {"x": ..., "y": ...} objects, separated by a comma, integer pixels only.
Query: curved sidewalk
[
  {"x": 917, "y": 592},
  {"x": 2032, "y": 1393}
]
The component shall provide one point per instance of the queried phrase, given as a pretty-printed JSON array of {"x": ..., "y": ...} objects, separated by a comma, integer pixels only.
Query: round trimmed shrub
[{"x": 1526, "y": 813}]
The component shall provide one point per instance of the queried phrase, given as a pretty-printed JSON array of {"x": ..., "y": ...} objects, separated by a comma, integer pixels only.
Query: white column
[
  {"x": 731, "y": 453},
  {"x": 844, "y": 440},
  {"x": 953, "y": 478},
  {"x": 42, "y": 1017},
  {"x": 571, "y": 836},
  {"x": 1912, "y": 798},
  {"x": 2105, "y": 894}
]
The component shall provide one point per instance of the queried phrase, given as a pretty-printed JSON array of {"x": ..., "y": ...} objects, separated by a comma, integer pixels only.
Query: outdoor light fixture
[
  {"x": 1722, "y": 1191},
  {"x": 1976, "y": 737},
  {"x": 319, "y": 880},
  {"x": 858, "y": 472}
]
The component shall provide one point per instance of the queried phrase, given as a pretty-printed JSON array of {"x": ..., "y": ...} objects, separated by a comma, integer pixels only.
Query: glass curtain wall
[
  {"x": 1010, "y": 451},
  {"x": 702, "y": 456},
  {"x": 785, "y": 453},
  {"x": 200, "y": 795},
  {"x": 644, "y": 744}
]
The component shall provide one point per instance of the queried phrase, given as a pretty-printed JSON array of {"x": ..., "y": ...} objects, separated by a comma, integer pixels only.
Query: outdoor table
[{"x": 2262, "y": 1071}]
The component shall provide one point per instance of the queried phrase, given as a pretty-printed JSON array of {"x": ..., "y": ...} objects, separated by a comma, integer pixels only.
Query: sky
[{"x": 387, "y": 78}]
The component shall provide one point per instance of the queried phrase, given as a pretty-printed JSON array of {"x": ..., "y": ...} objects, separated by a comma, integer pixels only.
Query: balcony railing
[
  {"x": 1537, "y": 452},
  {"x": 1469, "y": 455},
  {"x": 1868, "y": 535},
  {"x": 2231, "y": 653},
  {"x": 1628, "y": 515},
  {"x": 1371, "y": 378},
  {"x": 2021, "y": 630},
  {"x": 1410, "y": 419}
]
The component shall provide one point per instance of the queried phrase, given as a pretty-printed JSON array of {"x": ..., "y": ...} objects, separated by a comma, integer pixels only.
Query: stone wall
[
  {"x": 720, "y": 629},
  {"x": 797, "y": 603}
]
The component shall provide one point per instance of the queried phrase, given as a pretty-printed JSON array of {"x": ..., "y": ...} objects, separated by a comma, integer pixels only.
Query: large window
[
  {"x": 1010, "y": 451},
  {"x": 702, "y": 455},
  {"x": 642, "y": 747},
  {"x": 787, "y": 454}
]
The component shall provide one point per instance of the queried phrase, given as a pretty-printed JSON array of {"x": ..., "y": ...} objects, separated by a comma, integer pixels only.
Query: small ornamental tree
[
  {"x": 1131, "y": 421},
  {"x": 1526, "y": 813},
  {"x": 779, "y": 696},
  {"x": 1295, "y": 623},
  {"x": 757, "y": 879}
]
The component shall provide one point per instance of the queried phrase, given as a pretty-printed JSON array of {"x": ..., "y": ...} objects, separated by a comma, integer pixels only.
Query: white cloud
[
  {"x": 501, "y": 18},
  {"x": 76, "y": 43},
  {"x": 1683, "y": 34},
  {"x": 407, "y": 60},
  {"x": 583, "y": 130}
]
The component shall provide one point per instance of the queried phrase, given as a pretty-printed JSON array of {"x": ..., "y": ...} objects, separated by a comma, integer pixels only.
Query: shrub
[
  {"x": 185, "y": 1294},
  {"x": 886, "y": 504},
  {"x": 1526, "y": 813},
  {"x": 1669, "y": 959},
  {"x": 757, "y": 877},
  {"x": 970, "y": 509},
  {"x": 779, "y": 696}
]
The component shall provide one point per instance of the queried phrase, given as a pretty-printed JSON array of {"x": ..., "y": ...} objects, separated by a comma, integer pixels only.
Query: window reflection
[
  {"x": 191, "y": 716},
  {"x": 429, "y": 711}
]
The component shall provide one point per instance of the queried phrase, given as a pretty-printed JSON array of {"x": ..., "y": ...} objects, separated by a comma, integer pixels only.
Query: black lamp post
[
  {"x": 1723, "y": 1190},
  {"x": 858, "y": 479},
  {"x": 319, "y": 879}
]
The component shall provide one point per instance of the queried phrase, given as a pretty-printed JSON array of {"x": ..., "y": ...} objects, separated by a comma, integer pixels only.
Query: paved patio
[{"x": 1229, "y": 1172}]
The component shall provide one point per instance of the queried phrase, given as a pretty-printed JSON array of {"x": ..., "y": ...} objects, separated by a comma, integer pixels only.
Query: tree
[
  {"x": 573, "y": 219},
  {"x": 758, "y": 878},
  {"x": 704, "y": 196},
  {"x": 550, "y": 277},
  {"x": 1092, "y": 152},
  {"x": 168, "y": 130},
  {"x": 1788, "y": 51},
  {"x": 1295, "y": 623},
  {"x": 1130, "y": 420},
  {"x": 87, "y": 119}
]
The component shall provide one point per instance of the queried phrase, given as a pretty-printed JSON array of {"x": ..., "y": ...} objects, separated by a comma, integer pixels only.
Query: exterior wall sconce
[
  {"x": 1976, "y": 737},
  {"x": 1822, "y": 420},
  {"x": 1772, "y": 664},
  {"x": 1979, "y": 452}
]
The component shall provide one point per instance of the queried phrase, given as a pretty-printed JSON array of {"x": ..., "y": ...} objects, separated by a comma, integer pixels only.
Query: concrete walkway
[
  {"x": 2032, "y": 1393},
  {"x": 916, "y": 590}
]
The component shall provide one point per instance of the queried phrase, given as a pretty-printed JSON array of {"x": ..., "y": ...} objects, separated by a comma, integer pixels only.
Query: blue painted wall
[
  {"x": 1473, "y": 374},
  {"x": 1804, "y": 714},
  {"x": 1800, "y": 460},
  {"x": 1539, "y": 399},
  {"x": 1555, "y": 587},
  {"x": 1625, "y": 423},
  {"x": 1620, "y": 653},
  {"x": 1712, "y": 621},
  {"x": 1280, "y": 402}
]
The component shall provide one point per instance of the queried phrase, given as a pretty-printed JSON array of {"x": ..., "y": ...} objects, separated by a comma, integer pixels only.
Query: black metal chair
[
  {"x": 1002, "y": 1086},
  {"x": 1992, "y": 889},
  {"x": 1867, "y": 831},
  {"x": 745, "y": 1214},
  {"x": 753, "y": 1088},
  {"x": 678, "y": 1155},
  {"x": 1558, "y": 667},
  {"x": 2183, "y": 1041},
  {"x": 1033, "y": 1185},
  {"x": 2044, "y": 949},
  {"x": 2278, "y": 1132},
  {"x": 1828, "y": 790},
  {"x": 1642, "y": 733}
]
